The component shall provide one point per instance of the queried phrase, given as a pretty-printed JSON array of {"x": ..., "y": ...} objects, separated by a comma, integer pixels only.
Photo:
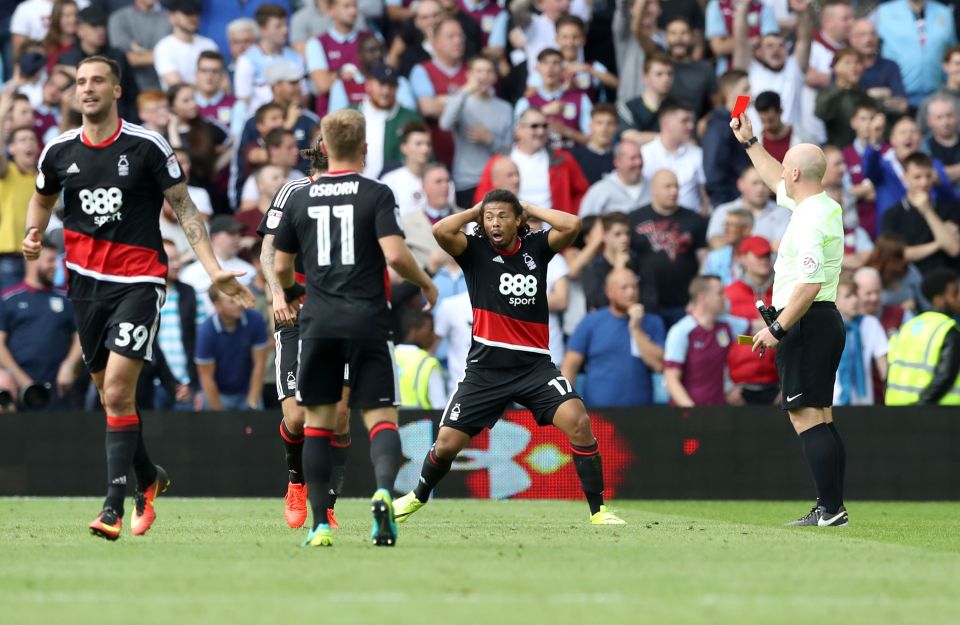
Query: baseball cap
[
  {"x": 93, "y": 16},
  {"x": 758, "y": 246},
  {"x": 225, "y": 223},
  {"x": 188, "y": 7},
  {"x": 283, "y": 71},
  {"x": 385, "y": 73},
  {"x": 32, "y": 62}
]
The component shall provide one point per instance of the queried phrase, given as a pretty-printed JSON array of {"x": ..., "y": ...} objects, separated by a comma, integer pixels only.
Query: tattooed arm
[
  {"x": 283, "y": 313},
  {"x": 196, "y": 233}
]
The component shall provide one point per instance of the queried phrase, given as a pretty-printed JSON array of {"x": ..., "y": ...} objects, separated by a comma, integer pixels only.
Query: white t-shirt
[
  {"x": 812, "y": 127},
  {"x": 407, "y": 188},
  {"x": 453, "y": 320},
  {"x": 788, "y": 83},
  {"x": 556, "y": 271},
  {"x": 376, "y": 131},
  {"x": 196, "y": 276},
  {"x": 32, "y": 19},
  {"x": 201, "y": 199},
  {"x": 174, "y": 55},
  {"x": 534, "y": 177},
  {"x": 686, "y": 163},
  {"x": 874, "y": 344}
]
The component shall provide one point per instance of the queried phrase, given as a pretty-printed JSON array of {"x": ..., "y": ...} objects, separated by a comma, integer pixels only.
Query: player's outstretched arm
[
  {"x": 398, "y": 256},
  {"x": 449, "y": 231},
  {"x": 564, "y": 227},
  {"x": 770, "y": 170},
  {"x": 196, "y": 231},
  {"x": 38, "y": 216},
  {"x": 284, "y": 312}
]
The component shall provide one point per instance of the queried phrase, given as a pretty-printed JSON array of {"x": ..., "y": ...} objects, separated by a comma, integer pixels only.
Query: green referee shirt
[{"x": 811, "y": 250}]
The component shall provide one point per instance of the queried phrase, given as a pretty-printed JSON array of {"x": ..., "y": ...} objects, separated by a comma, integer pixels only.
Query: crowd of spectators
[{"x": 615, "y": 110}]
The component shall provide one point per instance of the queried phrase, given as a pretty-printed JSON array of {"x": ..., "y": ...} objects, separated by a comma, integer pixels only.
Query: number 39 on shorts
[{"x": 138, "y": 335}]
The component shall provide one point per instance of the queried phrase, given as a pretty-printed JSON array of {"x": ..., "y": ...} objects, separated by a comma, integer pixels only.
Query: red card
[{"x": 741, "y": 106}]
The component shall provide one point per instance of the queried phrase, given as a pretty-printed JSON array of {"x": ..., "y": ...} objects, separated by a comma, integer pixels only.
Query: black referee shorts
[{"x": 808, "y": 357}]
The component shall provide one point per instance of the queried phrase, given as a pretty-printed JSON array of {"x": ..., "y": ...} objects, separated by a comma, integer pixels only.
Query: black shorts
[
  {"x": 484, "y": 393},
  {"x": 286, "y": 340},
  {"x": 125, "y": 323},
  {"x": 325, "y": 364},
  {"x": 808, "y": 357}
]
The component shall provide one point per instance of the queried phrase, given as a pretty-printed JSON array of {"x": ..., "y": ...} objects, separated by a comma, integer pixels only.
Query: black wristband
[
  {"x": 749, "y": 142},
  {"x": 294, "y": 293},
  {"x": 777, "y": 330}
]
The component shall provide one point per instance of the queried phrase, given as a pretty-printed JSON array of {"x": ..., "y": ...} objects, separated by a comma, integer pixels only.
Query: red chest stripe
[
  {"x": 498, "y": 330},
  {"x": 112, "y": 261}
]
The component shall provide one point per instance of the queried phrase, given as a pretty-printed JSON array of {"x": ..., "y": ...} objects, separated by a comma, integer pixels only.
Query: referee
[{"x": 808, "y": 332}]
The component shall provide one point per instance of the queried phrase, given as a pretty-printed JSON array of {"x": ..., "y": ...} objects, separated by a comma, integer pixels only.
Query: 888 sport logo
[{"x": 523, "y": 289}]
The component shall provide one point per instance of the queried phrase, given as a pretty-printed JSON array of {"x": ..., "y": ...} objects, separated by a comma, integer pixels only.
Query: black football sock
[
  {"x": 430, "y": 475},
  {"x": 385, "y": 453},
  {"x": 317, "y": 466},
  {"x": 121, "y": 443},
  {"x": 293, "y": 450},
  {"x": 143, "y": 467},
  {"x": 589, "y": 468},
  {"x": 842, "y": 468},
  {"x": 340, "y": 447},
  {"x": 823, "y": 456}
]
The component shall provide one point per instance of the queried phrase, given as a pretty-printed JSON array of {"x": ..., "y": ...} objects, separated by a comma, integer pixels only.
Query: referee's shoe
[{"x": 818, "y": 516}]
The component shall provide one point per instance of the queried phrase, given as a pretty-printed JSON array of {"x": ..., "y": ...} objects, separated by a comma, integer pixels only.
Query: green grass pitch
[{"x": 230, "y": 561}]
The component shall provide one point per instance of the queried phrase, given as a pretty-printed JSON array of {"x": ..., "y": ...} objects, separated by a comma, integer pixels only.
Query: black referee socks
[
  {"x": 317, "y": 467},
  {"x": 586, "y": 460},
  {"x": 433, "y": 470},
  {"x": 823, "y": 455},
  {"x": 843, "y": 456}
]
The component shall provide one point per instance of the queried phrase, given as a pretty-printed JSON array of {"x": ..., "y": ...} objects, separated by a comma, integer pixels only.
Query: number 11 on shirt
[{"x": 343, "y": 212}]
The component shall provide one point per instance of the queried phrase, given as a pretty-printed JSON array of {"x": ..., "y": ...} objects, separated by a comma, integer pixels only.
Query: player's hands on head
[
  {"x": 31, "y": 244},
  {"x": 227, "y": 282},
  {"x": 742, "y": 128},
  {"x": 430, "y": 293}
]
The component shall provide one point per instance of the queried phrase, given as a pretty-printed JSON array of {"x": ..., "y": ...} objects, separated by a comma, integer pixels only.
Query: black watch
[
  {"x": 749, "y": 142},
  {"x": 777, "y": 330},
  {"x": 293, "y": 293}
]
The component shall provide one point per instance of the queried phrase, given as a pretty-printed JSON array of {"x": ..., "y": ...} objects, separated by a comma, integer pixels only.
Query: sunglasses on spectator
[{"x": 536, "y": 126}]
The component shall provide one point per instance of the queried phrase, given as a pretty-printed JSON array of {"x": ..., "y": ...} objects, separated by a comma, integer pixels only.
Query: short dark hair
[
  {"x": 275, "y": 137},
  {"x": 571, "y": 20},
  {"x": 610, "y": 220},
  {"x": 950, "y": 52},
  {"x": 263, "y": 110},
  {"x": 678, "y": 18},
  {"x": 547, "y": 53},
  {"x": 936, "y": 282},
  {"x": 672, "y": 105},
  {"x": 657, "y": 57},
  {"x": 212, "y": 55},
  {"x": 918, "y": 159},
  {"x": 604, "y": 108},
  {"x": 413, "y": 127},
  {"x": 266, "y": 12},
  {"x": 14, "y": 131},
  {"x": 414, "y": 319},
  {"x": 113, "y": 65},
  {"x": 768, "y": 101},
  {"x": 505, "y": 197}
]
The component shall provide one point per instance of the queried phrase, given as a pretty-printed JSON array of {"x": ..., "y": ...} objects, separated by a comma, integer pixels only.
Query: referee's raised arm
[{"x": 770, "y": 170}]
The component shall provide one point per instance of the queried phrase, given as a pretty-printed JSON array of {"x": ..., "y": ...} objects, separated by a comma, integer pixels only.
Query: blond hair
[{"x": 344, "y": 134}]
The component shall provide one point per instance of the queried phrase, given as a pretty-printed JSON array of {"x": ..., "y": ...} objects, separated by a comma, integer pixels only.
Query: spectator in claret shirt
[
  {"x": 334, "y": 52},
  {"x": 697, "y": 344},
  {"x": 621, "y": 346},
  {"x": 777, "y": 137},
  {"x": 215, "y": 104},
  {"x": 231, "y": 352},
  {"x": 567, "y": 110},
  {"x": 350, "y": 87},
  {"x": 595, "y": 157}
]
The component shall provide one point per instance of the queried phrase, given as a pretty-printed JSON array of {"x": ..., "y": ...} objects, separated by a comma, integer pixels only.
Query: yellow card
[{"x": 744, "y": 339}]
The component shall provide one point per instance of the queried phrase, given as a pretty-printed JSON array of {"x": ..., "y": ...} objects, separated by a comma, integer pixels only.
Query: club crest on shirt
[
  {"x": 582, "y": 80},
  {"x": 273, "y": 218},
  {"x": 528, "y": 259},
  {"x": 809, "y": 265},
  {"x": 486, "y": 23},
  {"x": 723, "y": 339},
  {"x": 56, "y": 304},
  {"x": 123, "y": 166},
  {"x": 569, "y": 111},
  {"x": 173, "y": 166}
]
